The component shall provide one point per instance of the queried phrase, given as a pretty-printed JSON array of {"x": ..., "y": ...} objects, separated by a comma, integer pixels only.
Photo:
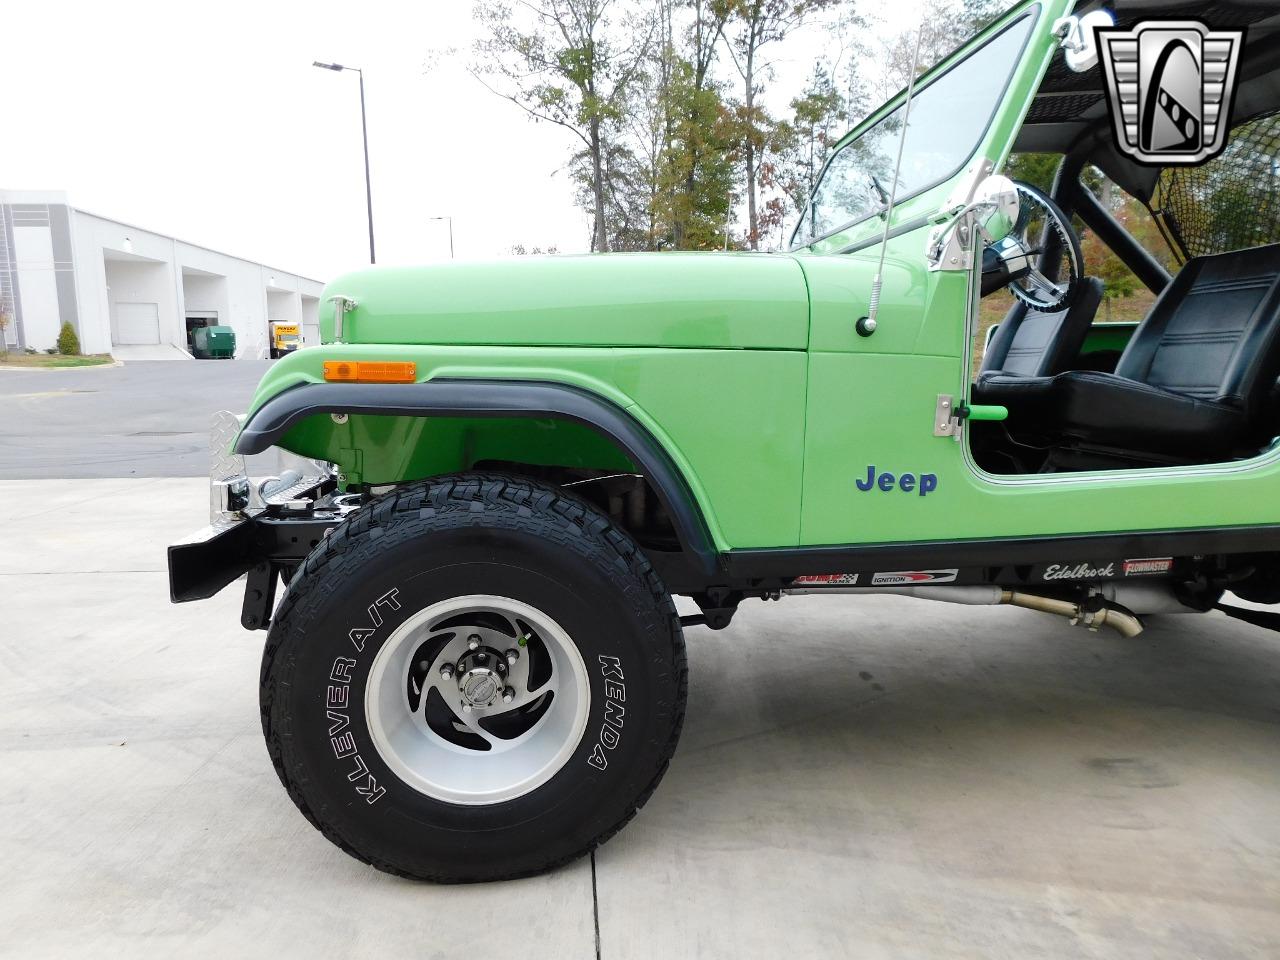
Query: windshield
[{"x": 947, "y": 119}]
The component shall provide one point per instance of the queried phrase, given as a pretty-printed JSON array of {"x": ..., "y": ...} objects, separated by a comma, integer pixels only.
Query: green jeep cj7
[{"x": 504, "y": 471}]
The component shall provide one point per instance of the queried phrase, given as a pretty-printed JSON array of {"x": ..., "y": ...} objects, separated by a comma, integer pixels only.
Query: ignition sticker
[
  {"x": 896, "y": 577},
  {"x": 615, "y": 695}
]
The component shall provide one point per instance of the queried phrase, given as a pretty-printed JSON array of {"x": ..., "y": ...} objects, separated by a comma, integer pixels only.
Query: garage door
[
  {"x": 136, "y": 323},
  {"x": 310, "y": 334}
]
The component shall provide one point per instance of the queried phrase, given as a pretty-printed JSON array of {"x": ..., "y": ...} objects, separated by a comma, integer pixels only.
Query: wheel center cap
[
  {"x": 482, "y": 676},
  {"x": 480, "y": 687}
]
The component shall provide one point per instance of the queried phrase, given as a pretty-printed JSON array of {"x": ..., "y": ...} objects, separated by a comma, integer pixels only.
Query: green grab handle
[{"x": 980, "y": 412}]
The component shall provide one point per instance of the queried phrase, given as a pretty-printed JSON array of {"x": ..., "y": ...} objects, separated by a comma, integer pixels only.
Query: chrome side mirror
[
  {"x": 989, "y": 217},
  {"x": 995, "y": 204},
  {"x": 1078, "y": 41}
]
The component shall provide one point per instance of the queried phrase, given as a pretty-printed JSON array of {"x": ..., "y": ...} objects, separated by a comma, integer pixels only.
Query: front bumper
[
  {"x": 210, "y": 559},
  {"x": 262, "y": 526}
]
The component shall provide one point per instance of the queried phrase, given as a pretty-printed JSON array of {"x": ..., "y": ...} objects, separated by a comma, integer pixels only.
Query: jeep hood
[{"x": 621, "y": 300}]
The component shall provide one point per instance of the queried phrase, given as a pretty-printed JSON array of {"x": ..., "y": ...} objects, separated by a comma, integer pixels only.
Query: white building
[{"x": 132, "y": 292}]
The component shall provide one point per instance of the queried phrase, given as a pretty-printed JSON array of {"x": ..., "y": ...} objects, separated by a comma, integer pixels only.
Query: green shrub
[{"x": 68, "y": 342}]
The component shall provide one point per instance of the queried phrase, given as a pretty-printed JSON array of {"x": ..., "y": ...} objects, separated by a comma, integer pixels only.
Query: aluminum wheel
[{"x": 477, "y": 699}]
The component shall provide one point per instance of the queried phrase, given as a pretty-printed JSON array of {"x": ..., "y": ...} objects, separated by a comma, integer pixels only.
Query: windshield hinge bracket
[{"x": 947, "y": 417}]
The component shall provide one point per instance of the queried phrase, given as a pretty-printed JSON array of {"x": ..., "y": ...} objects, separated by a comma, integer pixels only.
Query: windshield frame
[{"x": 954, "y": 59}]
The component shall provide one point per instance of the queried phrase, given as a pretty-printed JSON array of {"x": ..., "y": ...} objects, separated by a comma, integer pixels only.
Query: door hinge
[{"x": 946, "y": 417}]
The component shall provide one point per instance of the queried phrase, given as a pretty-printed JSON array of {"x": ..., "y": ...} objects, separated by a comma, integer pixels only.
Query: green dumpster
[{"x": 214, "y": 343}]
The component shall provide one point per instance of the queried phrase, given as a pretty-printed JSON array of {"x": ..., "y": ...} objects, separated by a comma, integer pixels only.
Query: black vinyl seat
[
  {"x": 1193, "y": 384},
  {"x": 1030, "y": 343}
]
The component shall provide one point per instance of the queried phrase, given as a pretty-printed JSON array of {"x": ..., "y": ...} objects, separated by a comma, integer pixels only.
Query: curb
[{"x": 4, "y": 367}]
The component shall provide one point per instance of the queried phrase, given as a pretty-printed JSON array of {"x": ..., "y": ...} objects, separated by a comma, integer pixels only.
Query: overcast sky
[{"x": 208, "y": 122}]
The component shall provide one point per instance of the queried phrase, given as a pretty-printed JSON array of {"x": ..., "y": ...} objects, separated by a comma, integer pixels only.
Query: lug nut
[
  {"x": 447, "y": 671},
  {"x": 473, "y": 641},
  {"x": 508, "y": 695},
  {"x": 512, "y": 656},
  {"x": 466, "y": 708}
]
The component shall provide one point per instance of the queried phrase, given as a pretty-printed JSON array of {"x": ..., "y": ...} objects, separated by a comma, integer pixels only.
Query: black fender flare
[{"x": 497, "y": 398}]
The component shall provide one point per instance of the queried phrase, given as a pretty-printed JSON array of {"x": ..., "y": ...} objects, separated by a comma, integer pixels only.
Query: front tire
[{"x": 473, "y": 678}]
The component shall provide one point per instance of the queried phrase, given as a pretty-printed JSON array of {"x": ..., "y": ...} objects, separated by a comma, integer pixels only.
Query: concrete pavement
[{"x": 878, "y": 777}]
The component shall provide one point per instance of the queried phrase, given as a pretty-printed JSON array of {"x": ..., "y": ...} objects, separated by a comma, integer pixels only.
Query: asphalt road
[
  {"x": 143, "y": 419},
  {"x": 867, "y": 777}
]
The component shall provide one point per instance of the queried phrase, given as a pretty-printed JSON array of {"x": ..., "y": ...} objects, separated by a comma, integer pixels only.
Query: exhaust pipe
[
  {"x": 1097, "y": 611},
  {"x": 1102, "y": 613}
]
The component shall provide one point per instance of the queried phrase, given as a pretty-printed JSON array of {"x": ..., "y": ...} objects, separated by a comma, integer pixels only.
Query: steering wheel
[{"x": 1016, "y": 260}]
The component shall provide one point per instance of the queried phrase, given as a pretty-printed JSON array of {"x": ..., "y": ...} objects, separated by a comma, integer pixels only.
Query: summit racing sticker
[
  {"x": 901, "y": 577},
  {"x": 826, "y": 580}
]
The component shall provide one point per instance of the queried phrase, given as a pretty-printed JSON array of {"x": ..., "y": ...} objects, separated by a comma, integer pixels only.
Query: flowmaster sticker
[{"x": 1148, "y": 566}]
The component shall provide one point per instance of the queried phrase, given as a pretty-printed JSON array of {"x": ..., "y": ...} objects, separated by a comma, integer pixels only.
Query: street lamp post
[
  {"x": 364, "y": 132},
  {"x": 450, "y": 219}
]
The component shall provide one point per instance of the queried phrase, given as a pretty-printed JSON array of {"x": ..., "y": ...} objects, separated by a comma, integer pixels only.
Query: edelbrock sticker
[
  {"x": 615, "y": 695},
  {"x": 826, "y": 580},
  {"x": 1078, "y": 571},
  {"x": 1148, "y": 566},
  {"x": 899, "y": 577}
]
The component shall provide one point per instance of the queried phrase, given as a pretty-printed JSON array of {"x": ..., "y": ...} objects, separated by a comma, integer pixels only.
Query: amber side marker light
[{"x": 365, "y": 371}]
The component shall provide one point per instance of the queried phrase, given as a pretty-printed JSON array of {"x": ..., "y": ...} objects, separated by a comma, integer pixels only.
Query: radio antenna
[{"x": 869, "y": 324}]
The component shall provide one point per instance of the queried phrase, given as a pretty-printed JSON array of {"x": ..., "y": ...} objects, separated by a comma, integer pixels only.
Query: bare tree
[
  {"x": 941, "y": 31},
  {"x": 568, "y": 62}
]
